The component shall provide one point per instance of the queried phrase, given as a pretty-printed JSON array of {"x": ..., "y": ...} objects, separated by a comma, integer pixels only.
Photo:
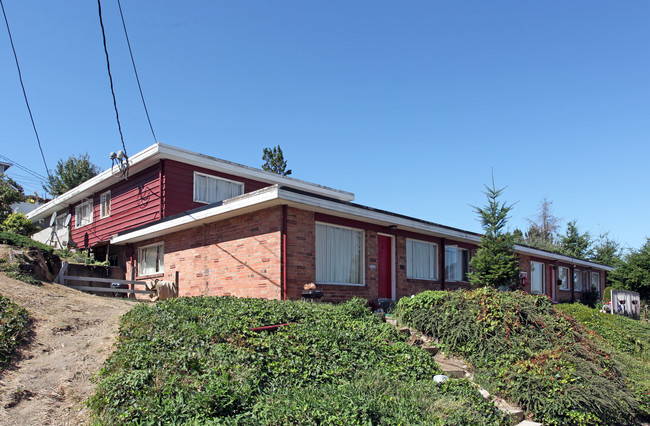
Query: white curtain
[
  {"x": 339, "y": 255},
  {"x": 577, "y": 280},
  {"x": 421, "y": 260},
  {"x": 211, "y": 189},
  {"x": 151, "y": 260}
]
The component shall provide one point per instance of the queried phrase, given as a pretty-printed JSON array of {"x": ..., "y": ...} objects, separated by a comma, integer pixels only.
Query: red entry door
[{"x": 385, "y": 267}]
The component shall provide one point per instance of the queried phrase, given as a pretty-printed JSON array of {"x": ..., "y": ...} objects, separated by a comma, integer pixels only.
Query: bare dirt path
[{"x": 73, "y": 334}]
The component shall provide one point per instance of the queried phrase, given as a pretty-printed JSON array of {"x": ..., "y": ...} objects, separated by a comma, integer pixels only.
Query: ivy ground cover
[
  {"x": 198, "y": 361},
  {"x": 523, "y": 349}
]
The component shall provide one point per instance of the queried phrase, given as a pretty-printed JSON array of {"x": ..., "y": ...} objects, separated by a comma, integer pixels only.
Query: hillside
[{"x": 72, "y": 334}]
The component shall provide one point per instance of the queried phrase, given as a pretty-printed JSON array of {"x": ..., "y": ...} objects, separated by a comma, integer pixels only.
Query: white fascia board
[
  {"x": 377, "y": 217},
  {"x": 217, "y": 164},
  {"x": 93, "y": 185},
  {"x": 556, "y": 256},
  {"x": 256, "y": 200}
]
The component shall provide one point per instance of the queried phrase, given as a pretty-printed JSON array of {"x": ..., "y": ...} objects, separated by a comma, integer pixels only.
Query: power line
[
  {"x": 20, "y": 166},
  {"x": 20, "y": 77},
  {"x": 136, "y": 72},
  {"x": 110, "y": 77}
]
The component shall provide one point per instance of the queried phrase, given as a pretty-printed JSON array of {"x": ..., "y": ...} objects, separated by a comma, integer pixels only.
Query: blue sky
[{"x": 409, "y": 105}]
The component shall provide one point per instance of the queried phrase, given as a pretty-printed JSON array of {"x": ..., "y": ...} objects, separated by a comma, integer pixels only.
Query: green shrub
[
  {"x": 197, "y": 360},
  {"x": 525, "y": 351},
  {"x": 607, "y": 294},
  {"x": 14, "y": 326},
  {"x": 18, "y": 223}
]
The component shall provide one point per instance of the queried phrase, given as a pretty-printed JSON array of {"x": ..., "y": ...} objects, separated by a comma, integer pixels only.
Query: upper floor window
[
  {"x": 456, "y": 263},
  {"x": 105, "y": 205},
  {"x": 83, "y": 214},
  {"x": 577, "y": 280},
  {"x": 421, "y": 260},
  {"x": 563, "y": 277},
  {"x": 210, "y": 189},
  {"x": 151, "y": 259},
  {"x": 339, "y": 255}
]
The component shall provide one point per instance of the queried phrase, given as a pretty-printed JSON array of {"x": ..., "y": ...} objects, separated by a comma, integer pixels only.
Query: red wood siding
[
  {"x": 134, "y": 202},
  {"x": 179, "y": 186}
]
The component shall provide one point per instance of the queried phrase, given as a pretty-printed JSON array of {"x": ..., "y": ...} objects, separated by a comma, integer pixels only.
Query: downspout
[
  {"x": 442, "y": 265},
  {"x": 283, "y": 270}
]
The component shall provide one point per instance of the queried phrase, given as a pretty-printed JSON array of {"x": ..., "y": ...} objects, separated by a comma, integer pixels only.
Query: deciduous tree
[
  {"x": 71, "y": 173},
  {"x": 10, "y": 193}
]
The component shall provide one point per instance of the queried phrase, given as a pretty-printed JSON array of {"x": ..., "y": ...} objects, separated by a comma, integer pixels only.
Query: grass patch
[
  {"x": 14, "y": 322},
  {"x": 527, "y": 352},
  {"x": 197, "y": 360}
]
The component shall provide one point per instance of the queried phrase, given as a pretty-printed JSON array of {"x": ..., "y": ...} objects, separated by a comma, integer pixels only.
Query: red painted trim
[
  {"x": 271, "y": 327},
  {"x": 283, "y": 271}
]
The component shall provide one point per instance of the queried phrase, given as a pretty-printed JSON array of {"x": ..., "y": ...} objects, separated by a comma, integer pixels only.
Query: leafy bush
[
  {"x": 13, "y": 328},
  {"x": 19, "y": 224},
  {"x": 589, "y": 297},
  {"x": 525, "y": 351},
  {"x": 197, "y": 360}
]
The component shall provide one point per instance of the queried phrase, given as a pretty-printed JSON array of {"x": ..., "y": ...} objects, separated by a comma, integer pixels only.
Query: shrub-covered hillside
[
  {"x": 629, "y": 340},
  {"x": 197, "y": 360},
  {"x": 527, "y": 352},
  {"x": 13, "y": 328}
]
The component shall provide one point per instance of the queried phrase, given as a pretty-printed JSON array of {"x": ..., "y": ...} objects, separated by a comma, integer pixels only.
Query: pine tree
[
  {"x": 575, "y": 244},
  {"x": 274, "y": 161},
  {"x": 495, "y": 263}
]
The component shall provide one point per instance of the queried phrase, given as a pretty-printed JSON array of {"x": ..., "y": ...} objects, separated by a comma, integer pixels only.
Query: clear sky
[{"x": 408, "y": 104}]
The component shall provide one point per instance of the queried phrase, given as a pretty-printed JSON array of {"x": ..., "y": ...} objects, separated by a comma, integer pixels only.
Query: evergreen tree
[
  {"x": 634, "y": 273},
  {"x": 274, "y": 161},
  {"x": 575, "y": 244},
  {"x": 607, "y": 251},
  {"x": 10, "y": 193},
  {"x": 495, "y": 263},
  {"x": 71, "y": 173}
]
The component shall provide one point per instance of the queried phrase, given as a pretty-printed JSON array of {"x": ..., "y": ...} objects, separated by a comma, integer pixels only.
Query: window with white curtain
[
  {"x": 595, "y": 281},
  {"x": 151, "y": 259},
  {"x": 421, "y": 260},
  {"x": 577, "y": 280},
  {"x": 210, "y": 189},
  {"x": 83, "y": 214},
  {"x": 563, "y": 276},
  {"x": 456, "y": 263},
  {"x": 339, "y": 255},
  {"x": 105, "y": 205}
]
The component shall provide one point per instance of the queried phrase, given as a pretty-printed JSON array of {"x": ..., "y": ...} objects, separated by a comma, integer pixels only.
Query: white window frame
[
  {"x": 79, "y": 221},
  {"x": 319, "y": 259},
  {"x": 577, "y": 280},
  {"x": 565, "y": 282},
  {"x": 432, "y": 248},
  {"x": 160, "y": 259},
  {"x": 204, "y": 201},
  {"x": 532, "y": 276},
  {"x": 104, "y": 206},
  {"x": 459, "y": 257}
]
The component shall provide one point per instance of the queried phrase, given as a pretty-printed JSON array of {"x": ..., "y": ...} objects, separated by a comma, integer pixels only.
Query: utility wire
[
  {"x": 136, "y": 72},
  {"x": 20, "y": 77},
  {"x": 110, "y": 77},
  {"x": 20, "y": 166}
]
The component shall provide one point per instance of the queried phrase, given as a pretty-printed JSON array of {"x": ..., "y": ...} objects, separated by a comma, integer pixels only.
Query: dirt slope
[{"x": 74, "y": 332}]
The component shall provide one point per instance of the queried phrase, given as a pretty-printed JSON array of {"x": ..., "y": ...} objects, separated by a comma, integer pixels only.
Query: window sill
[
  {"x": 432, "y": 280},
  {"x": 342, "y": 284},
  {"x": 150, "y": 276}
]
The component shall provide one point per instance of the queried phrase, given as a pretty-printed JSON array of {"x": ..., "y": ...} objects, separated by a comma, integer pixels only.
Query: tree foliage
[
  {"x": 607, "y": 251},
  {"x": 575, "y": 244},
  {"x": 10, "y": 193},
  {"x": 274, "y": 161},
  {"x": 495, "y": 263},
  {"x": 634, "y": 273},
  {"x": 18, "y": 223},
  {"x": 71, "y": 173},
  {"x": 544, "y": 228}
]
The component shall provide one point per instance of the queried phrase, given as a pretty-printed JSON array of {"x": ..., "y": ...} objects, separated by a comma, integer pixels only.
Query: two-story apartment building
[{"x": 228, "y": 229}]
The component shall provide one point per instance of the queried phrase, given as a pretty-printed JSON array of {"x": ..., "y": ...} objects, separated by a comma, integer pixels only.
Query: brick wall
[{"x": 240, "y": 256}]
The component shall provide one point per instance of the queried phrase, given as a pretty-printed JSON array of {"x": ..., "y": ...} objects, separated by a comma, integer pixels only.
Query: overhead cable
[
  {"x": 20, "y": 77},
  {"x": 110, "y": 77},
  {"x": 136, "y": 72}
]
